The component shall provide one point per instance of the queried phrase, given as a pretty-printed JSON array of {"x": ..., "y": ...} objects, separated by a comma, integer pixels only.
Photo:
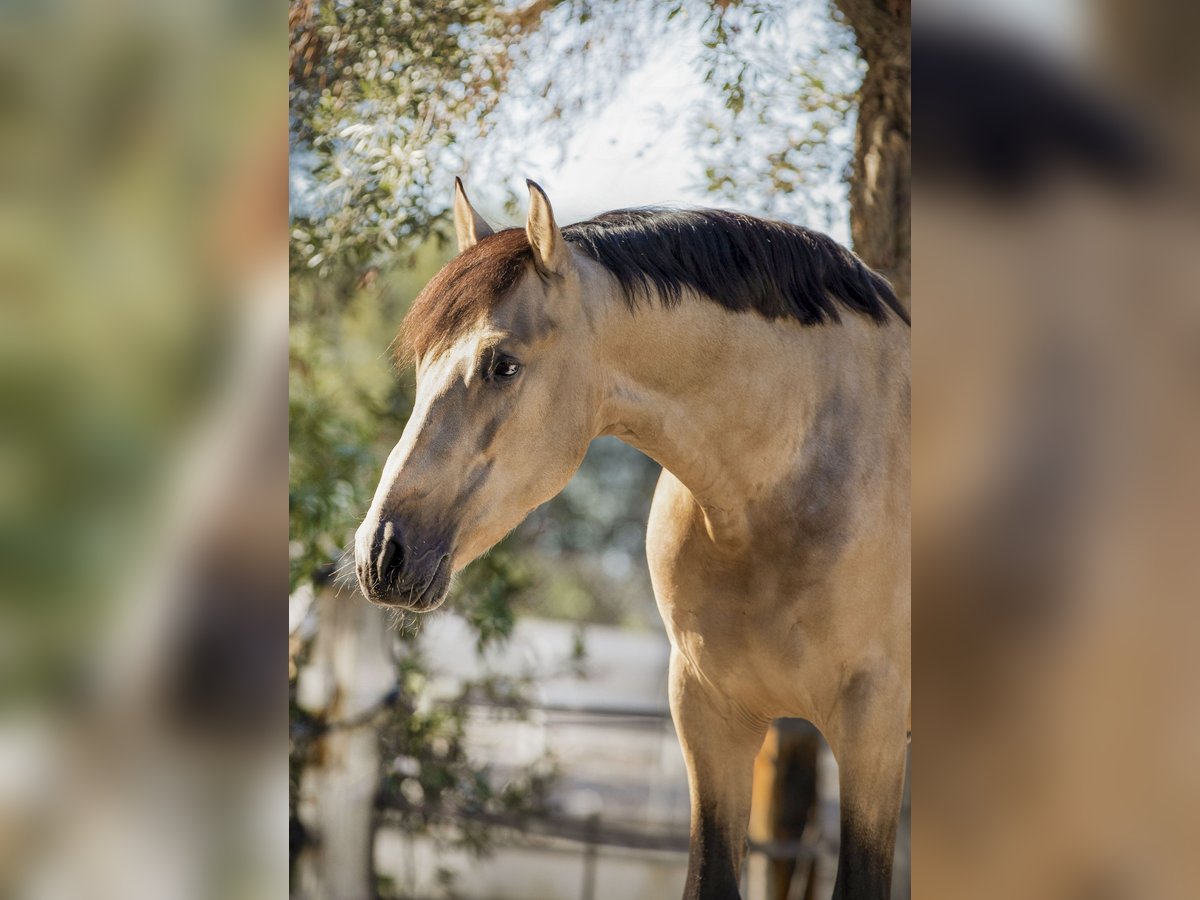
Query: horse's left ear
[
  {"x": 550, "y": 253},
  {"x": 469, "y": 226}
]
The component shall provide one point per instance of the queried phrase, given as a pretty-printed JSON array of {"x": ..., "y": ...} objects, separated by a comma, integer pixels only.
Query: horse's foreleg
[
  {"x": 869, "y": 742},
  {"x": 719, "y": 745}
]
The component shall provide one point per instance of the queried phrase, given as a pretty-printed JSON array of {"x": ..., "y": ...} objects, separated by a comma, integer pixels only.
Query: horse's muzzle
[{"x": 396, "y": 571}]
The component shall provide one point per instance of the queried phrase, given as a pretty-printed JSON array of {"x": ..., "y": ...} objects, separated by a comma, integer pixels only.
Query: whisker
[{"x": 345, "y": 575}]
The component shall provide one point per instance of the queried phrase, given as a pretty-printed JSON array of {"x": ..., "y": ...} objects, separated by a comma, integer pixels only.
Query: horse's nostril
[{"x": 391, "y": 561}]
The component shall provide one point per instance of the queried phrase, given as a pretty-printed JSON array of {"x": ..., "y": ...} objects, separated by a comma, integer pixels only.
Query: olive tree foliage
[
  {"x": 378, "y": 92},
  {"x": 776, "y": 134},
  {"x": 390, "y": 99}
]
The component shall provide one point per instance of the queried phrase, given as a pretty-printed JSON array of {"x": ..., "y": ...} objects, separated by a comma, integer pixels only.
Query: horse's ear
[
  {"x": 550, "y": 253},
  {"x": 469, "y": 226}
]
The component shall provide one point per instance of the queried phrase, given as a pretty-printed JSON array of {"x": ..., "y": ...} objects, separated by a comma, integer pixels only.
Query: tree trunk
[
  {"x": 880, "y": 195},
  {"x": 879, "y": 191}
]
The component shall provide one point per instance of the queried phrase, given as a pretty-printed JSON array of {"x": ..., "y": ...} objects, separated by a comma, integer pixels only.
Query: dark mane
[
  {"x": 738, "y": 261},
  {"x": 743, "y": 263}
]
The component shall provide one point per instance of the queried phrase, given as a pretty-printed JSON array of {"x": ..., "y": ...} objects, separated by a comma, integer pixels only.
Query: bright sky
[{"x": 632, "y": 154}]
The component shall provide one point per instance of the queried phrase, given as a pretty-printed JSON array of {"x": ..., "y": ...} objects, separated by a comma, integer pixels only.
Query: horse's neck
[{"x": 724, "y": 400}]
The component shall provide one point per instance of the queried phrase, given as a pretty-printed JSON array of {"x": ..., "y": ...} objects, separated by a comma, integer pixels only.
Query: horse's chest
[
  {"x": 755, "y": 629},
  {"x": 764, "y": 623}
]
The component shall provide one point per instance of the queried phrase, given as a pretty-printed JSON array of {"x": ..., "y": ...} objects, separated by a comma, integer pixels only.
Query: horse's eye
[{"x": 505, "y": 367}]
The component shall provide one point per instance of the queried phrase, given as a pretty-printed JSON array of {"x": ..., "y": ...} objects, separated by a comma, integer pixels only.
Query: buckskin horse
[{"x": 767, "y": 369}]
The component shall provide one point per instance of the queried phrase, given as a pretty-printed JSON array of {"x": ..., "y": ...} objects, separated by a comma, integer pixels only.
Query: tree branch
[{"x": 528, "y": 18}]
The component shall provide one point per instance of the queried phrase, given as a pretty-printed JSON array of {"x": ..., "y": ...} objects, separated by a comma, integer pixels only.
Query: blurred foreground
[
  {"x": 1055, "y": 485},
  {"x": 143, "y": 340}
]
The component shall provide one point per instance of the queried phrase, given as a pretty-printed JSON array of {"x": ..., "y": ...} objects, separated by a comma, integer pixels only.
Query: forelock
[{"x": 469, "y": 287}]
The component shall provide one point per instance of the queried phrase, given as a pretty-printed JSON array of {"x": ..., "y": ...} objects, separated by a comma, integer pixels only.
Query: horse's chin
[{"x": 431, "y": 600}]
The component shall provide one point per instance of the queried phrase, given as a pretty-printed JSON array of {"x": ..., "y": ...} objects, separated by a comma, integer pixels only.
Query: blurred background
[
  {"x": 519, "y": 744},
  {"x": 1055, "y": 588},
  {"x": 143, "y": 338}
]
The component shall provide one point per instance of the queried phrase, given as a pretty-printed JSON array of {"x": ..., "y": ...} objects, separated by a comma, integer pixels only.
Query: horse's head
[{"x": 505, "y": 407}]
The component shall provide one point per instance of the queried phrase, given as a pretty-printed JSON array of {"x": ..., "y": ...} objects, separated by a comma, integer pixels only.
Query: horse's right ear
[
  {"x": 550, "y": 253},
  {"x": 469, "y": 226}
]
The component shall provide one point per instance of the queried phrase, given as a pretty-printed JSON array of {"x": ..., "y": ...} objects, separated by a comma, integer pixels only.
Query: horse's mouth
[
  {"x": 435, "y": 590},
  {"x": 420, "y": 597}
]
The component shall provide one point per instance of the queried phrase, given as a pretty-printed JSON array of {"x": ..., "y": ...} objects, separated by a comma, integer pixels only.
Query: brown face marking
[
  {"x": 531, "y": 326},
  {"x": 472, "y": 484},
  {"x": 487, "y": 435}
]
